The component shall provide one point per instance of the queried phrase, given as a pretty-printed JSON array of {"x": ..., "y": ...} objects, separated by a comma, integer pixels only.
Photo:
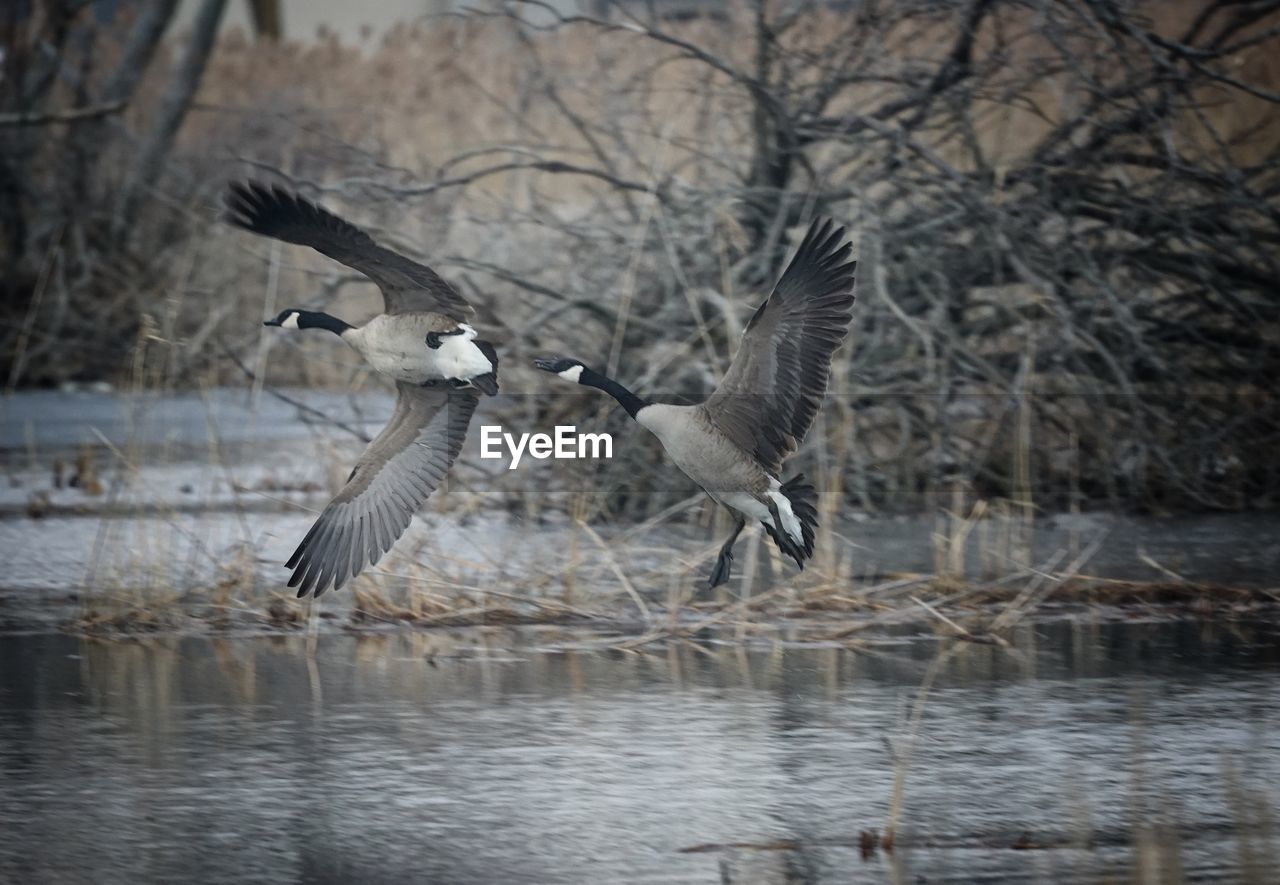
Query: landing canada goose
[
  {"x": 733, "y": 445},
  {"x": 421, "y": 342}
]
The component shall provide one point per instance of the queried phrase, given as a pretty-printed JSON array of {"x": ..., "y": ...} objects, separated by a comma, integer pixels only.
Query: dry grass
[{"x": 640, "y": 587}]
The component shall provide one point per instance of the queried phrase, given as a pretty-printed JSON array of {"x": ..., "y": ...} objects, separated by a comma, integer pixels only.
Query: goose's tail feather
[
  {"x": 488, "y": 382},
  {"x": 803, "y": 498}
]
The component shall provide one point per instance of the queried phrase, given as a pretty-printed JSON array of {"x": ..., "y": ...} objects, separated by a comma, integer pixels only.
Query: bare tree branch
[{"x": 68, "y": 116}]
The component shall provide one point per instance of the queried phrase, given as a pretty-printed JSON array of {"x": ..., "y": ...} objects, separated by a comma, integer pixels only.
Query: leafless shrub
[{"x": 1066, "y": 216}]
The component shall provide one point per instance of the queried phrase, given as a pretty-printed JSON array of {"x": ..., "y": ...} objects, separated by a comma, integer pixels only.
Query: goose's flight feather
[
  {"x": 769, "y": 396},
  {"x": 406, "y": 285},
  {"x": 395, "y": 475}
]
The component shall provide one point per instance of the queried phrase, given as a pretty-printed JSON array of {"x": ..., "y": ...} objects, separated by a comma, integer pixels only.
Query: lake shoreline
[
  {"x": 974, "y": 613},
  {"x": 173, "y": 513}
]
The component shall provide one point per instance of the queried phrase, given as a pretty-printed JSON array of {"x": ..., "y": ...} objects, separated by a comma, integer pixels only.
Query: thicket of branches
[
  {"x": 1067, "y": 215},
  {"x": 85, "y": 138}
]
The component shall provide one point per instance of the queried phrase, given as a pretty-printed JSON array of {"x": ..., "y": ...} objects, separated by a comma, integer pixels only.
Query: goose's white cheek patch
[
  {"x": 571, "y": 374},
  {"x": 290, "y": 322}
]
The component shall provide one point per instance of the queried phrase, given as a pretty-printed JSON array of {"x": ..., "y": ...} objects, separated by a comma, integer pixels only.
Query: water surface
[{"x": 500, "y": 756}]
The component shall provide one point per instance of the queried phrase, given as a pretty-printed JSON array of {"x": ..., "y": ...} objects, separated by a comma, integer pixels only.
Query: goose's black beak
[
  {"x": 545, "y": 365},
  {"x": 270, "y": 322}
]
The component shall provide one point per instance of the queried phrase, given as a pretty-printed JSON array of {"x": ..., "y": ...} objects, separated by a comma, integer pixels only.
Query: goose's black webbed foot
[
  {"x": 450, "y": 383},
  {"x": 720, "y": 573},
  {"x": 486, "y": 383},
  {"x": 724, "y": 562}
]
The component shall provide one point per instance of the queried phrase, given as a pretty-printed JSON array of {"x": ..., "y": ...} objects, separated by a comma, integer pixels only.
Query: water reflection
[{"x": 482, "y": 756}]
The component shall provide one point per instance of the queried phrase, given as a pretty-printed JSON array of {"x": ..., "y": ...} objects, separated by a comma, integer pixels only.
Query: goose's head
[
  {"x": 569, "y": 370},
  {"x": 287, "y": 319}
]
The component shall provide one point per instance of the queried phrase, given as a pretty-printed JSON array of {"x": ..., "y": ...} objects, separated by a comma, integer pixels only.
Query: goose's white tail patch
[
  {"x": 750, "y": 506},
  {"x": 459, "y": 358},
  {"x": 790, "y": 522}
]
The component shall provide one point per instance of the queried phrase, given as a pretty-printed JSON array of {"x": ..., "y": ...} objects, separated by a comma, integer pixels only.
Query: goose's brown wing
[
  {"x": 406, "y": 285},
  {"x": 397, "y": 472},
  {"x": 768, "y": 398}
]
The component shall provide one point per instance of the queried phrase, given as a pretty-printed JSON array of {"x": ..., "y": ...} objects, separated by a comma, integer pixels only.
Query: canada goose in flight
[
  {"x": 733, "y": 445},
  {"x": 421, "y": 308},
  {"x": 421, "y": 342}
]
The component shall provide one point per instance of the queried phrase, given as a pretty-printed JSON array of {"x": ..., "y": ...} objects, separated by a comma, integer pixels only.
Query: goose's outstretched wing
[
  {"x": 768, "y": 398},
  {"x": 406, "y": 285},
  {"x": 397, "y": 472}
]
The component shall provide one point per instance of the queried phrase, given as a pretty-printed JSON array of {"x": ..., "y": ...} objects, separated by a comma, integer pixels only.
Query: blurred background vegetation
[{"x": 1066, "y": 215}]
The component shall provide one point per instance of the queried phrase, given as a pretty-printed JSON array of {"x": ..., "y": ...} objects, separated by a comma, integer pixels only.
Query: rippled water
[{"x": 496, "y": 756}]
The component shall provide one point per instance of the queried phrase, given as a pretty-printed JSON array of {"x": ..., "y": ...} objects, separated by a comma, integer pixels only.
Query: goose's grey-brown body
[
  {"x": 422, "y": 342},
  {"x": 394, "y": 345},
  {"x": 734, "y": 444},
  {"x": 703, "y": 451}
]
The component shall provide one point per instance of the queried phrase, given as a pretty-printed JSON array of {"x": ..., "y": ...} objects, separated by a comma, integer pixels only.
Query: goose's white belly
[{"x": 401, "y": 352}]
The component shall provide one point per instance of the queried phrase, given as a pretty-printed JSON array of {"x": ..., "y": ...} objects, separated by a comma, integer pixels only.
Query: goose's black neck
[
  {"x": 311, "y": 319},
  {"x": 625, "y": 398}
]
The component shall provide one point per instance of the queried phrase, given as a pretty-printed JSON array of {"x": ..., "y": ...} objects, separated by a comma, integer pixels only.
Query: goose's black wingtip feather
[
  {"x": 246, "y": 204},
  {"x": 827, "y": 242},
  {"x": 822, "y": 267},
  {"x": 824, "y": 244},
  {"x": 274, "y": 211}
]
